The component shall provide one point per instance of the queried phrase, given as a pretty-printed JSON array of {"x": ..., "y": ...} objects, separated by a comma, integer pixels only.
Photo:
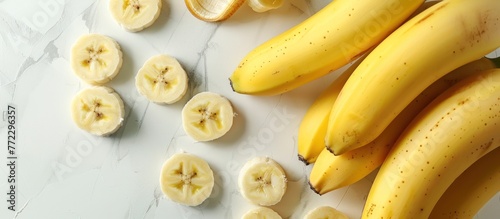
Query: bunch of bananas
[{"x": 421, "y": 103}]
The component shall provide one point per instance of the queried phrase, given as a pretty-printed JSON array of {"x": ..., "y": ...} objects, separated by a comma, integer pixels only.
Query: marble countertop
[{"x": 63, "y": 172}]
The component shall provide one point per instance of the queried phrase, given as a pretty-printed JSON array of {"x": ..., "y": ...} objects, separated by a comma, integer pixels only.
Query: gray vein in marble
[
  {"x": 201, "y": 57},
  {"x": 275, "y": 106},
  {"x": 25, "y": 205},
  {"x": 343, "y": 195},
  {"x": 21, "y": 209},
  {"x": 140, "y": 120},
  {"x": 127, "y": 214},
  {"x": 88, "y": 16},
  {"x": 51, "y": 51},
  {"x": 172, "y": 139},
  {"x": 157, "y": 195},
  {"x": 175, "y": 29},
  {"x": 96, "y": 179}
]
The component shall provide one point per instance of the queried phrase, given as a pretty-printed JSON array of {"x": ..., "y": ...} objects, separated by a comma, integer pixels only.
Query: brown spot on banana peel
[
  {"x": 444, "y": 4},
  {"x": 475, "y": 34}
]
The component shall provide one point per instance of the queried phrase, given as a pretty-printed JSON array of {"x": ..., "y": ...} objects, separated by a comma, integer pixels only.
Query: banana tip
[
  {"x": 301, "y": 158},
  {"x": 231, "y": 84},
  {"x": 314, "y": 189},
  {"x": 331, "y": 150}
]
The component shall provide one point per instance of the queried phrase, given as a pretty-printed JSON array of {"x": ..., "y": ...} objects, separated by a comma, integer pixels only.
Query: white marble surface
[{"x": 62, "y": 172}]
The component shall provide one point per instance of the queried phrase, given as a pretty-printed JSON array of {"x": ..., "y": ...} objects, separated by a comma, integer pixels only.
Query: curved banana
[
  {"x": 312, "y": 129},
  {"x": 396, "y": 71},
  {"x": 332, "y": 172},
  {"x": 471, "y": 190},
  {"x": 449, "y": 135},
  {"x": 324, "y": 42}
]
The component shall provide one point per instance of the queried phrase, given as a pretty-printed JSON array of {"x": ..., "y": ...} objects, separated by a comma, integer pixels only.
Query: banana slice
[
  {"x": 262, "y": 181},
  {"x": 162, "y": 80},
  {"x": 98, "y": 110},
  {"x": 261, "y": 213},
  {"x": 186, "y": 179},
  {"x": 265, "y": 5},
  {"x": 95, "y": 58},
  {"x": 135, "y": 15},
  {"x": 207, "y": 116},
  {"x": 325, "y": 212}
]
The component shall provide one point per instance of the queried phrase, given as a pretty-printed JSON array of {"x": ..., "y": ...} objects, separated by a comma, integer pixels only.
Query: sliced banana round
[
  {"x": 186, "y": 179},
  {"x": 162, "y": 80},
  {"x": 207, "y": 116},
  {"x": 262, "y": 181},
  {"x": 96, "y": 58},
  {"x": 135, "y": 15},
  {"x": 98, "y": 110},
  {"x": 325, "y": 212},
  {"x": 261, "y": 213},
  {"x": 265, "y": 5}
]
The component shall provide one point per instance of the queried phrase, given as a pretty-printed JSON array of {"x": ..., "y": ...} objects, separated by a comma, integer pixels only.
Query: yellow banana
[
  {"x": 471, "y": 190},
  {"x": 312, "y": 129},
  {"x": 331, "y": 172},
  {"x": 324, "y": 42},
  {"x": 405, "y": 63},
  {"x": 445, "y": 138}
]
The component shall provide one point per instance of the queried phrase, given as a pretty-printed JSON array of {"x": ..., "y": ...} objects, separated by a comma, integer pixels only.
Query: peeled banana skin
[
  {"x": 449, "y": 135},
  {"x": 471, "y": 190},
  {"x": 332, "y": 172},
  {"x": 320, "y": 44},
  {"x": 438, "y": 40}
]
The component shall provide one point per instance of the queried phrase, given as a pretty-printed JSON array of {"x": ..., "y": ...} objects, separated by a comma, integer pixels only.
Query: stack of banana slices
[{"x": 96, "y": 59}]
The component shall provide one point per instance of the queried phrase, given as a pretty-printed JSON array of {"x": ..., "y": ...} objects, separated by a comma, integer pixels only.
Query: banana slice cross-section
[
  {"x": 135, "y": 15},
  {"x": 265, "y": 5},
  {"x": 186, "y": 179},
  {"x": 207, "y": 116},
  {"x": 98, "y": 110},
  {"x": 325, "y": 212},
  {"x": 261, "y": 213},
  {"x": 96, "y": 58},
  {"x": 162, "y": 80},
  {"x": 262, "y": 181}
]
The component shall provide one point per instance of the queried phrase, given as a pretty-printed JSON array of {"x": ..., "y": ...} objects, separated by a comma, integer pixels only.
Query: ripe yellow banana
[
  {"x": 406, "y": 62},
  {"x": 312, "y": 129},
  {"x": 449, "y": 135},
  {"x": 332, "y": 172},
  {"x": 324, "y": 42},
  {"x": 471, "y": 190}
]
